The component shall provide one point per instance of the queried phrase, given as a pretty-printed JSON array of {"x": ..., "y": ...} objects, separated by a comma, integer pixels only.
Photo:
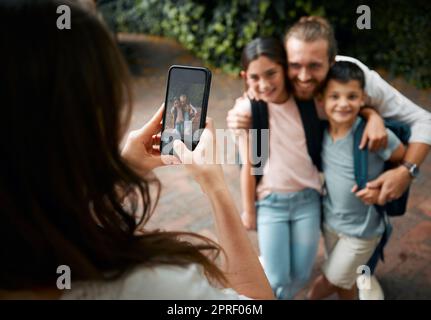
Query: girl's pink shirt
[{"x": 289, "y": 167}]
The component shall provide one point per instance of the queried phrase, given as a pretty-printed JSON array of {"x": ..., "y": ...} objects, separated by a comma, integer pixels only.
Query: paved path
[{"x": 406, "y": 274}]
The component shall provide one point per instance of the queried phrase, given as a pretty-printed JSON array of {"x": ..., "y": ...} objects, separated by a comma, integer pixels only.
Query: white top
[
  {"x": 153, "y": 283},
  {"x": 390, "y": 103}
]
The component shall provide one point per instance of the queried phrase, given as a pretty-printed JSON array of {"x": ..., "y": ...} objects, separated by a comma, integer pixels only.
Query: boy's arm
[
  {"x": 370, "y": 195},
  {"x": 395, "y": 153},
  {"x": 397, "y": 150}
]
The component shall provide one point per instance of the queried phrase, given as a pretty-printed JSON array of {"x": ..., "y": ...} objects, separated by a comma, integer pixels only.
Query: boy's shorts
[{"x": 344, "y": 255}]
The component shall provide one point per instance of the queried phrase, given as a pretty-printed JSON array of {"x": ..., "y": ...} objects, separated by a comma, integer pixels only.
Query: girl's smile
[{"x": 267, "y": 79}]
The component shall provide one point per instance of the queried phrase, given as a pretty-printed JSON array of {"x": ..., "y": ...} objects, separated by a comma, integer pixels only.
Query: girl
[{"x": 285, "y": 204}]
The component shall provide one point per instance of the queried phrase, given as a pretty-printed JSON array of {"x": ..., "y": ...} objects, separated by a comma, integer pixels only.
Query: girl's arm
[{"x": 248, "y": 184}]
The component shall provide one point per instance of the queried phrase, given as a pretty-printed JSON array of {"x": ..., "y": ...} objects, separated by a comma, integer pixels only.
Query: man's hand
[
  {"x": 375, "y": 131},
  {"x": 392, "y": 183}
]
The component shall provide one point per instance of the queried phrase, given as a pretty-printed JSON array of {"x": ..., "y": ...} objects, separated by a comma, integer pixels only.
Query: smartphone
[{"x": 186, "y": 104}]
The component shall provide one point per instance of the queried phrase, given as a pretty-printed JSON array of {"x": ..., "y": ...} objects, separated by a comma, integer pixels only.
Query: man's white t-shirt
[{"x": 390, "y": 103}]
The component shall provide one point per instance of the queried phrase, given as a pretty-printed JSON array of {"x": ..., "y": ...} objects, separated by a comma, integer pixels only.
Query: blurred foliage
[{"x": 216, "y": 31}]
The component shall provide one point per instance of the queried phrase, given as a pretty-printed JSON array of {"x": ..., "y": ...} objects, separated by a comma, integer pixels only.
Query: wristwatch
[{"x": 412, "y": 168}]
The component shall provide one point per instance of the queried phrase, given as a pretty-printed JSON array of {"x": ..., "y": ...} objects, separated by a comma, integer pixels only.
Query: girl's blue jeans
[{"x": 288, "y": 227}]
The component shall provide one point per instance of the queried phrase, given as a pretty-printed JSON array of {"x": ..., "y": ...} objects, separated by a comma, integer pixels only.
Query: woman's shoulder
[{"x": 163, "y": 282}]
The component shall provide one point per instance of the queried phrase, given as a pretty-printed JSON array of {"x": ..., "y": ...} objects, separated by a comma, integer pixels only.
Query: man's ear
[{"x": 243, "y": 74}]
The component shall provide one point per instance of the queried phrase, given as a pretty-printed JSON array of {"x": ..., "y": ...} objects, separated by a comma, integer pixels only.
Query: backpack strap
[
  {"x": 398, "y": 206},
  {"x": 360, "y": 156},
  {"x": 313, "y": 130},
  {"x": 401, "y": 130},
  {"x": 260, "y": 120}
]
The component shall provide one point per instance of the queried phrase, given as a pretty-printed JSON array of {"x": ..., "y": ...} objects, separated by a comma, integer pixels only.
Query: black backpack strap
[
  {"x": 360, "y": 156},
  {"x": 260, "y": 120},
  {"x": 313, "y": 130},
  {"x": 401, "y": 130},
  {"x": 398, "y": 206}
]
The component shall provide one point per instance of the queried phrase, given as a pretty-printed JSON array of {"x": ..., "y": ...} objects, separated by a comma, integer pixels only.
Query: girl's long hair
[
  {"x": 269, "y": 47},
  {"x": 66, "y": 101}
]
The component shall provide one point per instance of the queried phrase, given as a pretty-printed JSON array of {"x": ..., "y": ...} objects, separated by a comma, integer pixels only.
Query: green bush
[
  {"x": 216, "y": 31},
  {"x": 399, "y": 39}
]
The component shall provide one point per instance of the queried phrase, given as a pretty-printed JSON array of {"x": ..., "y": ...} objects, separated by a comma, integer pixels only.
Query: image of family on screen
[{"x": 183, "y": 116}]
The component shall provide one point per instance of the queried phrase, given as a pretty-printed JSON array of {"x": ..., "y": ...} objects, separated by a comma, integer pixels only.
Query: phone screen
[{"x": 186, "y": 103}]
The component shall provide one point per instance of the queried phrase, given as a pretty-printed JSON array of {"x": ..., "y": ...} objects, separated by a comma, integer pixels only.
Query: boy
[{"x": 351, "y": 228}]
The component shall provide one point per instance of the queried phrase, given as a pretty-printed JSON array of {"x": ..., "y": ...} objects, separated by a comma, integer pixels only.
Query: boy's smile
[{"x": 343, "y": 101}]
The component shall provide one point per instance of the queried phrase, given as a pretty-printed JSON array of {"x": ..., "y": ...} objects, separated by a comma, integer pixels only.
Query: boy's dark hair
[{"x": 344, "y": 71}]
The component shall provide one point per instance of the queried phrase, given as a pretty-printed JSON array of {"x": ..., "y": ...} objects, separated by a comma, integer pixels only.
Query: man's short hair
[
  {"x": 345, "y": 71},
  {"x": 314, "y": 28}
]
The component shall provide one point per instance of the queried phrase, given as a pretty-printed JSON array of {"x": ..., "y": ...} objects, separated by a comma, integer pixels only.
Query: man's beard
[{"x": 302, "y": 94}]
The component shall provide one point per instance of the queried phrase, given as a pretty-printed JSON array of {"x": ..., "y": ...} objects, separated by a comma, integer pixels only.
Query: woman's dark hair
[
  {"x": 66, "y": 100},
  {"x": 344, "y": 71}
]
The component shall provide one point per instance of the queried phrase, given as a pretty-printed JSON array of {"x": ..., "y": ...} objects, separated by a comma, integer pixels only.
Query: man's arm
[
  {"x": 390, "y": 103},
  {"x": 395, "y": 181}
]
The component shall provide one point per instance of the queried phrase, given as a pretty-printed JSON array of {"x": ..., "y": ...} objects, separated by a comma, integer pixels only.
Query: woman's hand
[
  {"x": 142, "y": 148},
  {"x": 203, "y": 163}
]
